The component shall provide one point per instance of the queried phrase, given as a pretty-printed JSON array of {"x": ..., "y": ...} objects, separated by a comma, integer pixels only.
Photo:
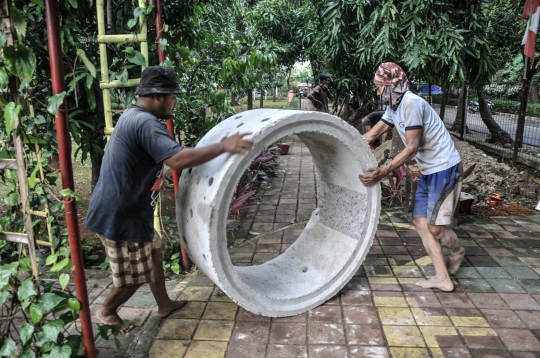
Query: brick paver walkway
[{"x": 494, "y": 310}]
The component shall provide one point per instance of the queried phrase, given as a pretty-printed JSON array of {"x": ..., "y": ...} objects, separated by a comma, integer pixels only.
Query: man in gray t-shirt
[{"x": 121, "y": 208}]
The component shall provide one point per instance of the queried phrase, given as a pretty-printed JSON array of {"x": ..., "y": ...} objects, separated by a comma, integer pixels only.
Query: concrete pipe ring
[{"x": 335, "y": 240}]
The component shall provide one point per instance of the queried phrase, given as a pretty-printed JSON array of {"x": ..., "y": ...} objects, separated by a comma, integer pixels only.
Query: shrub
[
  {"x": 512, "y": 107},
  {"x": 450, "y": 101}
]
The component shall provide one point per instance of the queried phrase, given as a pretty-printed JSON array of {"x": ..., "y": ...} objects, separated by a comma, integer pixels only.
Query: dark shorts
[
  {"x": 131, "y": 262},
  {"x": 438, "y": 194}
]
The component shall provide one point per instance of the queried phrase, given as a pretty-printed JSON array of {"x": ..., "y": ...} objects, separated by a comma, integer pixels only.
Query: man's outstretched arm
[
  {"x": 376, "y": 174},
  {"x": 191, "y": 157},
  {"x": 374, "y": 132}
]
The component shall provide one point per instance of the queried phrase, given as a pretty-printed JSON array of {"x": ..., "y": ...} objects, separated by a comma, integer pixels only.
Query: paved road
[{"x": 531, "y": 134}]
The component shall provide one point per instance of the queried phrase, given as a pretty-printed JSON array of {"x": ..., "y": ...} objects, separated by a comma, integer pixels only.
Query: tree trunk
[
  {"x": 458, "y": 122},
  {"x": 498, "y": 135},
  {"x": 250, "y": 98},
  {"x": 96, "y": 168},
  {"x": 233, "y": 99},
  {"x": 275, "y": 94},
  {"x": 289, "y": 81},
  {"x": 346, "y": 110},
  {"x": 202, "y": 113},
  {"x": 534, "y": 92},
  {"x": 444, "y": 98},
  {"x": 261, "y": 104}
]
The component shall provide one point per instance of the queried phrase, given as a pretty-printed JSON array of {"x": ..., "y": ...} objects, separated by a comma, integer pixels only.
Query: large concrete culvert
[{"x": 334, "y": 242}]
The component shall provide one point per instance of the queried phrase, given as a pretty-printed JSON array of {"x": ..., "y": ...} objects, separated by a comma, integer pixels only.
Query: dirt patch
[
  {"x": 491, "y": 176},
  {"x": 502, "y": 210}
]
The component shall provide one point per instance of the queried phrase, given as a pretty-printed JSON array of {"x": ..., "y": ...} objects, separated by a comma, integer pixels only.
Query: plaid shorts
[{"x": 131, "y": 262}]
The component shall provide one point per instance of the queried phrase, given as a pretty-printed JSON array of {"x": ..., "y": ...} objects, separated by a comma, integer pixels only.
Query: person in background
[
  {"x": 121, "y": 209},
  {"x": 320, "y": 94},
  {"x": 439, "y": 186},
  {"x": 369, "y": 122}
]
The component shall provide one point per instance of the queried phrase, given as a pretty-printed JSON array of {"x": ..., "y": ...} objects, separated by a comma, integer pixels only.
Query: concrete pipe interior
[{"x": 334, "y": 242}]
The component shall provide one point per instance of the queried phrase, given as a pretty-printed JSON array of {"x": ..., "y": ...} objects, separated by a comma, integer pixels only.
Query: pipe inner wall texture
[{"x": 336, "y": 238}]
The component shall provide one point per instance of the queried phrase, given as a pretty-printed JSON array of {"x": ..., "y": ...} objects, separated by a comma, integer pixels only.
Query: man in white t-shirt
[{"x": 426, "y": 139}]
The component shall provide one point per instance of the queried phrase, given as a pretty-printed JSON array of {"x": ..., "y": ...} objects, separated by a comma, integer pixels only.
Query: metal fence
[{"x": 503, "y": 101}]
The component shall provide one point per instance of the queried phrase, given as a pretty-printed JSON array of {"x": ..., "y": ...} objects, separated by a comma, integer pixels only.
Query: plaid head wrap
[{"x": 394, "y": 81}]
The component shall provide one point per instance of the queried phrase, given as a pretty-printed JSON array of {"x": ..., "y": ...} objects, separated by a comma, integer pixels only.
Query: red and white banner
[{"x": 531, "y": 11}]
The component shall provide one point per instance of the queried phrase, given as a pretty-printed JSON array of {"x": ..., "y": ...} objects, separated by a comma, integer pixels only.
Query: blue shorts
[{"x": 437, "y": 195}]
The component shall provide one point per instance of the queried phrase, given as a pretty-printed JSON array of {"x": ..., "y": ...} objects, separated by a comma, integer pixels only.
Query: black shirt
[{"x": 120, "y": 208}]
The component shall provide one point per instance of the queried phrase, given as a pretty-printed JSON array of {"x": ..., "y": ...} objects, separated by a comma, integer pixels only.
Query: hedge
[
  {"x": 504, "y": 106},
  {"x": 512, "y": 107}
]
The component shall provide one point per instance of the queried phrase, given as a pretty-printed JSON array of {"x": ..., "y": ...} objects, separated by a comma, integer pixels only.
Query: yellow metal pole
[
  {"x": 144, "y": 51},
  {"x": 100, "y": 4},
  {"x": 121, "y": 38},
  {"x": 120, "y": 84},
  {"x": 143, "y": 32}
]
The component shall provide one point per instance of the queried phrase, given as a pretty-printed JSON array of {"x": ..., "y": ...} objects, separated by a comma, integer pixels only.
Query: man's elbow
[
  {"x": 174, "y": 165},
  {"x": 413, "y": 149},
  {"x": 176, "y": 162}
]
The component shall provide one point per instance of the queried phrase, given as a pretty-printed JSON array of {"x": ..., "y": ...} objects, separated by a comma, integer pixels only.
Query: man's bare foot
[
  {"x": 443, "y": 285},
  {"x": 454, "y": 261},
  {"x": 113, "y": 319},
  {"x": 175, "y": 305}
]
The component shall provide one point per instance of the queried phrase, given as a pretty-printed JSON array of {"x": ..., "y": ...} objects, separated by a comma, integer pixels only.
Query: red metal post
[
  {"x": 66, "y": 170},
  {"x": 170, "y": 127}
]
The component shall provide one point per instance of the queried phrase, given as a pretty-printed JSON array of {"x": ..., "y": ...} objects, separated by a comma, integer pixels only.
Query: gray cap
[{"x": 158, "y": 79}]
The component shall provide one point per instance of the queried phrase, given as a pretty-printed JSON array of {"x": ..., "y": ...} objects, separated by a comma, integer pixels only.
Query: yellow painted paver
[
  {"x": 192, "y": 309},
  {"x": 183, "y": 284},
  {"x": 398, "y": 352},
  {"x": 382, "y": 280},
  {"x": 424, "y": 319},
  {"x": 431, "y": 332},
  {"x": 168, "y": 348},
  {"x": 530, "y": 261},
  {"x": 404, "y": 336},
  {"x": 197, "y": 293},
  {"x": 396, "y": 316},
  {"x": 135, "y": 316},
  {"x": 492, "y": 227},
  {"x": 205, "y": 349},
  {"x": 403, "y": 226},
  {"x": 390, "y": 301},
  {"x": 177, "y": 329},
  {"x": 371, "y": 261},
  {"x": 378, "y": 271},
  {"x": 392, "y": 261},
  {"x": 220, "y": 296},
  {"x": 408, "y": 280},
  {"x": 437, "y": 353},
  {"x": 476, "y": 331},
  {"x": 220, "y": 310},
  {"x": 214, "y": 330},
  {"x": 469, "y": 321},
  {"x": 407, "y": 271},
  {"x": 423, "y": 261}
]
